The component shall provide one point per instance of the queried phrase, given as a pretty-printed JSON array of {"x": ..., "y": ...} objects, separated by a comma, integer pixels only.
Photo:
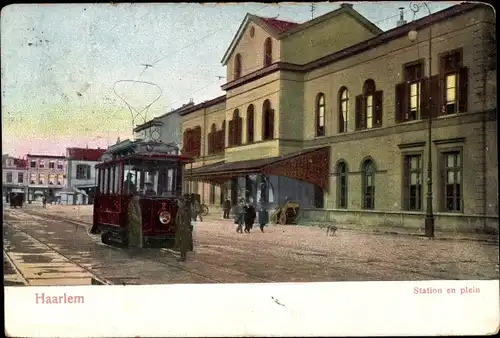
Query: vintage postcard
[{"x": 250, "y": 169}]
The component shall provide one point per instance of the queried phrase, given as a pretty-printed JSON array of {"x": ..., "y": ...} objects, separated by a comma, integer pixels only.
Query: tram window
[
  {"x": 106, "y": 180},
  {"x": 118, "y": 179}
]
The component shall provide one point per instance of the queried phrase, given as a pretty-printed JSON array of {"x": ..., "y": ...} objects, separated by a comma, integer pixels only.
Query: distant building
[
  {"x": 81, "y": 175},
  {"x": 14, "y": 175},
  {"x": 165, "y": 128},
  {"x": 46, "y": 175}
]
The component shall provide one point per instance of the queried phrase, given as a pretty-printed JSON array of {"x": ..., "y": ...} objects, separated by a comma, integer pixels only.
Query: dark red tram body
[{"x": 149, "y": 170}]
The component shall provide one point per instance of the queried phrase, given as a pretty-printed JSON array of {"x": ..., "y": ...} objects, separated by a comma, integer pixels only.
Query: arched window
[
  {"x": 235, "y": 129},
  {"x": 320, "y": 115},
  {"x": 223, "y": 136},
  {"x": 267, "y": 121},
  {"x": 186, "y": 140},
  {"x": 237, "y": 66},
  {"x": 250, "y": 123},
  {"x": 369, "y": 107},
  {"x": 197, "y": 141},
  {"x": 342, "y": 188},
  {"x": 343, "y": 109},
  {"x": 368, "y": 172},
  {"x": 268, "y": 52}
]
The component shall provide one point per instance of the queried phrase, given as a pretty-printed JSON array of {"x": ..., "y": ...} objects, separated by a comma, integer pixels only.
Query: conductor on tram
[
  {"x": 149, "y": 191},
  {"x": 129, "y": 185}
]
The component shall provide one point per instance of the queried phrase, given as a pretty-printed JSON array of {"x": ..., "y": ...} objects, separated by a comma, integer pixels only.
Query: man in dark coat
[
  {"x": 227, "y": 208},
  {"x": 250, "y": 216},
  {"x": 263, "y": 214}
]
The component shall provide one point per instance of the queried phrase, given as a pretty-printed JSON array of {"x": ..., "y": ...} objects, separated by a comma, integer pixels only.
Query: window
[
  {"x": 9, "y": 163},
  {"x": 20, "y": 178},
  {"x": 453, "y": 181},
  {"x": 267, "y": 121},
  {"x": 9, "y": 177},
  {"x": 33, "y": 178},
  {"x": 60, "y": 179},
  {"x": 454, "y": 78},
  {"x": 60, "y": 165},
  {"x": 52, "y": 165},
  {"x": 413, "y": 74},
  {"x": 342, "y": 185},
  {"x": 268, "y": 52},
  {"x": 369, "y": 107},
  {"x": 83, "y": 172},
  {"x": 343, "y": 109},
  {"x": 237, "y": 66},
  {"x": 42, "y": 164},
  {"x": 42, "y": 179},
  {"x": 211, "y": 196},
  {"x": 212, "y": 139},
  {"x": 250, "y": 123},
  {"x": 235, "y": 129},
  {"x": 32, "y": 164},
  {"x": 52, "y": 179},
  {"x": 320, "y": 115},
  {"x": 412, "y": 179},
  {"x": 191, "y": 142},
  {"x": 368, "y": 172}
]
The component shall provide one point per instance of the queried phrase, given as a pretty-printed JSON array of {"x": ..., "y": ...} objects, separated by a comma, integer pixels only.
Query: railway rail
[{"x": 147, "y": 255}]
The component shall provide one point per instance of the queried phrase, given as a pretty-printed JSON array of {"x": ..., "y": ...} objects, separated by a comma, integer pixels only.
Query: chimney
[
  {"x": 342, "y": 5},
  {"x": 191, "y": 100},
  {"x": 401, "y": 20}
]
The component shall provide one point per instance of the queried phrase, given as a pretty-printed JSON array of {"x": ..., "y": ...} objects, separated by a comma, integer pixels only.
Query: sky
[{"x": 68, "y": 70}]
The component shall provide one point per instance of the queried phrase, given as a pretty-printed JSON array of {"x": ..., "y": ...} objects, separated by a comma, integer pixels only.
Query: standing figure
[
  {"x": 196, "y": 210},
  {"x": 226, "y": 207},
  {"x": 44, "y": 200},
  {"x": 263, "y": 214},
  {"x": 240, "y": 215},
  {"x": 250, "y": 215}
]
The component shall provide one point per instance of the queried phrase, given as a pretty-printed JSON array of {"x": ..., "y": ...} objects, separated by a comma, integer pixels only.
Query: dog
[{"x": 331, "y": 230}]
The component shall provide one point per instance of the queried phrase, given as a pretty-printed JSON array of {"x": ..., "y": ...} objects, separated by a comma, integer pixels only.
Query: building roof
[
  {"x": 204, "y": 104},
  {"x": 85, "y": 154},
  {"x": 279, "y": 25},
  {"x": 358, "y": 48},
  {"x": 47, "y": 156}
]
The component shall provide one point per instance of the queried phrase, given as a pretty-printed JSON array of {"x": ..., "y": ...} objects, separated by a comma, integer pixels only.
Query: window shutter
[
  {"x": 406, "y": 182},
  {"x": 230, "y": 131},
  {"x": 88, "y": 172},
  {"x": 360, "y": 113},
  {"x": 462, "y": 89},
  {"x": 240, "y": 131},
  {"x": 378, "y": 100},
  {"x": 341, "y": 120},
  {"x": 401, "y": 102},
  {"x": 271, "y": 124},
  {"x": 425, "y": 100},
  {"x": 435, "y": 96}
]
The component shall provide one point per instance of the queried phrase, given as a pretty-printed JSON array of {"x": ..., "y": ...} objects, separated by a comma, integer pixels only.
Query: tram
[{"x": 139, "y": 186}]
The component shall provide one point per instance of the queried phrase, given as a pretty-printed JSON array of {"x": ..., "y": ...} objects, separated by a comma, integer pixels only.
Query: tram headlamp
[{"x": 165, "y": 217}]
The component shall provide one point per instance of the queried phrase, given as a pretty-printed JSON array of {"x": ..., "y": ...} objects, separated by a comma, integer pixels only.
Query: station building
[{"x": 334, "y": 113}]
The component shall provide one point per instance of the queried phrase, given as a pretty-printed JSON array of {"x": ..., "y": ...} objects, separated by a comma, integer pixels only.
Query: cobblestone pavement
[{"x": 299, "y": 254}]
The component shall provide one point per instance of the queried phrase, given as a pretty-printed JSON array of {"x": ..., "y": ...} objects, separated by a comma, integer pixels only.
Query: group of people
[{"x": 246, "y": 213}]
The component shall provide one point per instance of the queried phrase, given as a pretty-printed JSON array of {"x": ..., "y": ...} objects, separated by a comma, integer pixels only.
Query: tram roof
[{"x": 143, "y": 151}]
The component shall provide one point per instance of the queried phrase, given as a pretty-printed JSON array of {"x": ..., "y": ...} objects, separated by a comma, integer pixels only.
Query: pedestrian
[
  {"x": 44, "y": 201},
  {"x": 226, "y": 207},
  {"x": 263, "y": 214},
  {"x": 250, "y": 215},
  {"x": 240, "y": 215},
  {"x": 196, "y": 211}
]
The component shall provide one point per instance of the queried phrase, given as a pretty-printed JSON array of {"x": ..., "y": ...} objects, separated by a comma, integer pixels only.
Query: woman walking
[
  {"x": 263, "y": 214},
  {"x": 240, "y": 215}
]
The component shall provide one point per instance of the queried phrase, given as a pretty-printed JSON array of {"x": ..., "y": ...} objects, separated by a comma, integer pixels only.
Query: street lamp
[{"x": 412, "y": 36}]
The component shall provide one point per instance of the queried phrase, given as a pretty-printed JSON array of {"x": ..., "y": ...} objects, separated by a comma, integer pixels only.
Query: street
[{"x": 53, "y": 247}]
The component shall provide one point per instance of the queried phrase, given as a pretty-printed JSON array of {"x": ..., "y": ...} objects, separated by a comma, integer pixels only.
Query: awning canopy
[{"x": 309, "y": 165}]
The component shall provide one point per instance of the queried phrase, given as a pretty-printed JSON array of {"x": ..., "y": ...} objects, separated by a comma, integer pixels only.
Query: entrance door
[{"x": 319, "y": 197}]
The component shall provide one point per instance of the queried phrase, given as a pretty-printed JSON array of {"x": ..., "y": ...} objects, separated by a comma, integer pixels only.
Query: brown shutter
[
  {"x": 230, "y": 131},
  {"x": 360, "y": 113},
  {"x": 462, "y": 89},
  {"x": 425, "y": 101},
  {"x": 406, "y": 182},
  {"x": 378, "y": 100},
  {"x": 240, "y": 130},
  {"x": 271, "y": 124},
  {"x": 401, "y": 102},
  {"x": 435, "y": 95}
]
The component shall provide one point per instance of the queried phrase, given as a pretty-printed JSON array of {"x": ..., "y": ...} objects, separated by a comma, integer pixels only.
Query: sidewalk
[{"x": 439, "y": 235}]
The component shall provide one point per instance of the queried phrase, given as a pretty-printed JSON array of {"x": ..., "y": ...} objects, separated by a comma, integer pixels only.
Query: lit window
[
  {"x": 414, "y": 101},
  {"x": 369, "y": 111}
]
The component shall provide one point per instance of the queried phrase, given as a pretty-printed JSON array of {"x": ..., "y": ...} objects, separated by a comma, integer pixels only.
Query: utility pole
[{"x": 313, "y": 8}]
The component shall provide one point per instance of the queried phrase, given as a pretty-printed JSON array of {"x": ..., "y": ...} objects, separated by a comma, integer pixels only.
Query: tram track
[
  {"x": 100, "y": 279},
  {"x": 148, "y": 255}
]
